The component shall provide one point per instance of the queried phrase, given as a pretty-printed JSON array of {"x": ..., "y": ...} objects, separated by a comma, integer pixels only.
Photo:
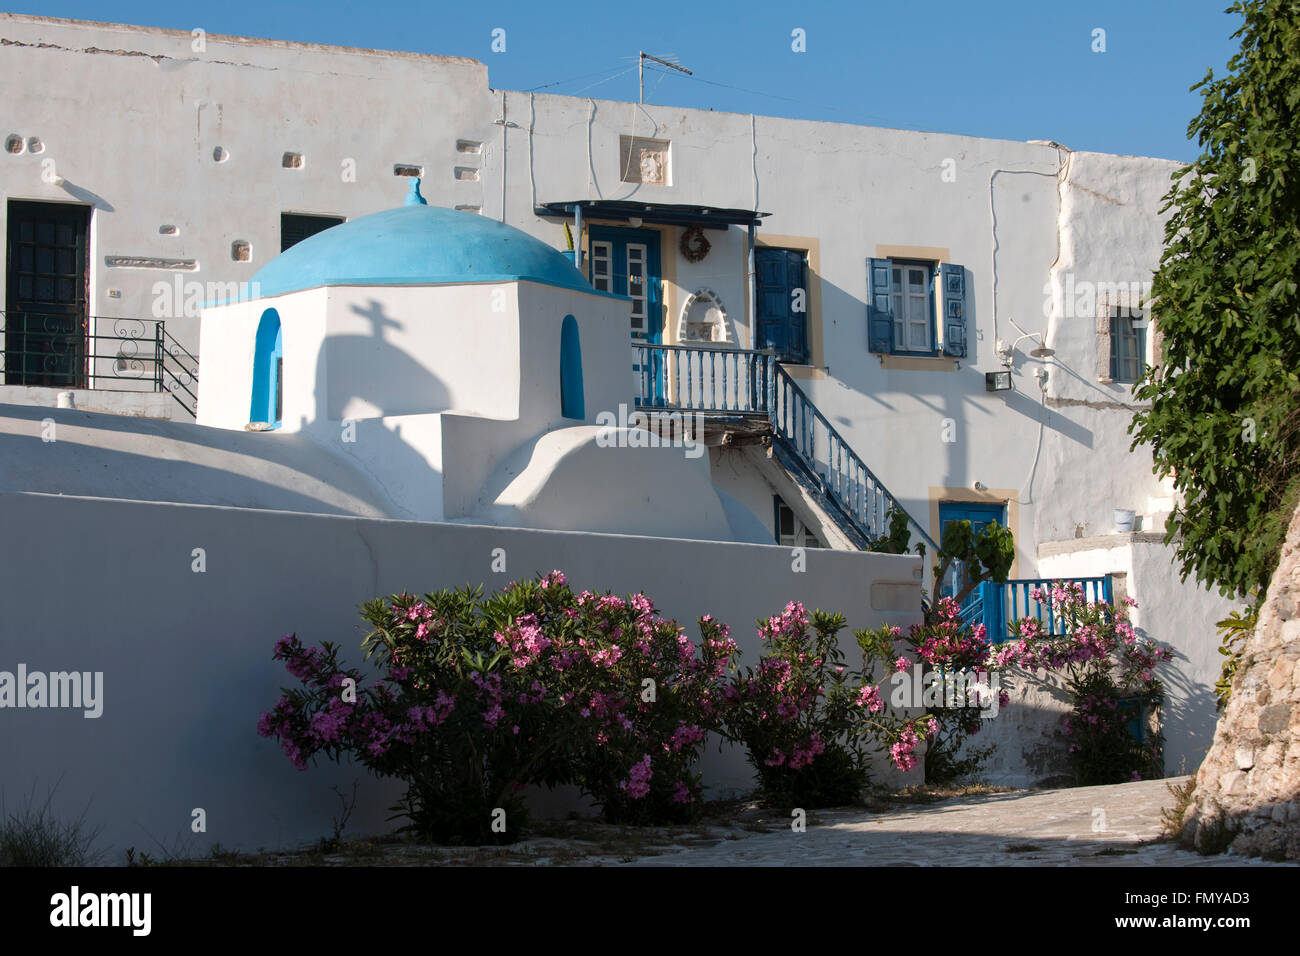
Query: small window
[
  {"x": 294, "y": 228},
  {"x": 790, "y": 531},
  {"x": 1133, "y": 712},
  {"x": 241, "y": 250},
  {"x": 636, "y": 285},
  {"x": 910, "y": 313},
  {"x": 1128, "y": 346},
  {"x": 912, "y": 291},
  {"x": 406, "y": 169},
  {"x": 291, "y": 160},
  {"x": 601, "y": 257}
]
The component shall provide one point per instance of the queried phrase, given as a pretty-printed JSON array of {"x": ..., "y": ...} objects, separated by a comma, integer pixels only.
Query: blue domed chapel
[{"x": 464, "y": 366}]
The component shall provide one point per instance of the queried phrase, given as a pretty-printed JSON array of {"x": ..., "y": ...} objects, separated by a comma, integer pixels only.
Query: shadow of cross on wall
[{"x": 369, "y": 376}]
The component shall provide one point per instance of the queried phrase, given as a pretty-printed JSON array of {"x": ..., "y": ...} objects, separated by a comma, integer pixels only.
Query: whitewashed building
[{"x": 861, "y": 319}]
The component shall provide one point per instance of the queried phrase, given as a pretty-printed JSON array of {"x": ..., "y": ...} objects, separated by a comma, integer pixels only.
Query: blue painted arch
[
  {"x": 573, "y": 403},
  {"x": 268, "y": 355}
]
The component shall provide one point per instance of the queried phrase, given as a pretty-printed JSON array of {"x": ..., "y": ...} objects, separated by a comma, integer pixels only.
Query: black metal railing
[{"x": 102, "y": 353}]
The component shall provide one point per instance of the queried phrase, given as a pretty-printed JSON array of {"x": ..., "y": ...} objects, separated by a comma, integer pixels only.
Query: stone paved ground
[{"x": 1083, "y": 826}]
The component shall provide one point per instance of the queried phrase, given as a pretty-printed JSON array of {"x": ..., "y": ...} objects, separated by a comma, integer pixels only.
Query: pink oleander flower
[
  {"x": 637, "y": 783},
  {"x": 902, "y": 664},
  {"x": 685, "y": 735},
  {"x": 869, "y": 697},
  {"x": 326, "y": 726},
  {"x": 902, "y": 750}
]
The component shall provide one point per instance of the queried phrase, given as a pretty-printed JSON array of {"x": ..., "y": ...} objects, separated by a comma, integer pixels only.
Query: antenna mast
[{"x": 640, "y": 64}]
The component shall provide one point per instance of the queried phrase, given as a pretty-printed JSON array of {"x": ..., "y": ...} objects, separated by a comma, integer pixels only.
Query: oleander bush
[
  {"x": 477, "y": 699},
  {"x": 482, "y": 698},
  {"x": 1105, "y": 667}
]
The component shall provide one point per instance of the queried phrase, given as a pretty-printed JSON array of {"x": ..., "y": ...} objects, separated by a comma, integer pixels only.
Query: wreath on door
[{"x": 695, "y": 245}]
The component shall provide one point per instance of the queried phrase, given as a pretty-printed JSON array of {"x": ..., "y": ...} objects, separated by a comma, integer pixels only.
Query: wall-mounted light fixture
[
  {"x": 1007, "y": 352},
  {"x": 997, "y": 381}
]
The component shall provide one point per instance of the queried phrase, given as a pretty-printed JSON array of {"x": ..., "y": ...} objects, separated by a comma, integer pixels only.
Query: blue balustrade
[{"x": 996, "y": 605}]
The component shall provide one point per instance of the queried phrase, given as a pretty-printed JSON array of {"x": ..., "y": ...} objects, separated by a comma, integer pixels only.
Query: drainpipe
[
  {"x": 577, "y": 235},
  {"x": 751, "y": 290},
  {"x": 504, "y": 124}
]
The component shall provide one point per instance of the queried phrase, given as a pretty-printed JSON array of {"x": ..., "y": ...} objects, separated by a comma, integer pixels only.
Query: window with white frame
[
  {"x": 913, "y": 298},
  {"x": 790, "y": 531},
  {"x": 916, "y": 307},
  {"x": 636, "y": 286}
]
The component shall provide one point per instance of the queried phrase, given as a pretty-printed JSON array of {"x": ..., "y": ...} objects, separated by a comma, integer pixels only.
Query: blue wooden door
[
  {"x": 980, "y": 516},
  {"x": 781, "y": 303},
  {"x": 626, "y": 262}
]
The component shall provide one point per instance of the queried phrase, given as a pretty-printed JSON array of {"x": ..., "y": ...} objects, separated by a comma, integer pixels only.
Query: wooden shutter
[
  {"x": 953, "y": 298},
  {"x": 880, "y": 306}
]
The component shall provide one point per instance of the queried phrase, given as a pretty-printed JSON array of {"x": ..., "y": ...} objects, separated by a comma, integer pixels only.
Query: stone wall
[{"x": 1249, "y": 783}]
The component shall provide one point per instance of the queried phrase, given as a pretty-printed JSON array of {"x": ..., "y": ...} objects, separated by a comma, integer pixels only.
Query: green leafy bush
[{"x": 1224, "y": 420}]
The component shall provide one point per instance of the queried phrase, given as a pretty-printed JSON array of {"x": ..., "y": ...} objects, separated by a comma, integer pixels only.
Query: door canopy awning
[{"x": 663, "y": 214}]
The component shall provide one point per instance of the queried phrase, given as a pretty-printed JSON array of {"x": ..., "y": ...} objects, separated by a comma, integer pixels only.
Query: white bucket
[{"x": 1124, "y": 519}]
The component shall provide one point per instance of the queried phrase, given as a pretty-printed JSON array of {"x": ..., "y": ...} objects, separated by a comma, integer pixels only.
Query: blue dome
[{"x": 418, "y": 245}]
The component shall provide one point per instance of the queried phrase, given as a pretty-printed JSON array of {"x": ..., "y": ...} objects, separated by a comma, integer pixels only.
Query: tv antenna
[{"x": 640, "y": 69}]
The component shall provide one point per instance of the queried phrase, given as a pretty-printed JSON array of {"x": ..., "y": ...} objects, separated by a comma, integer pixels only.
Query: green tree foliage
[
  {"x": 986, "y": 556},
  {"x": 1224, "y": 419}
]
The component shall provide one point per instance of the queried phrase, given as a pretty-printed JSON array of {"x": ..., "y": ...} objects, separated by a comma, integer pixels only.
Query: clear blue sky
[{"x": 1008, "y": 69}]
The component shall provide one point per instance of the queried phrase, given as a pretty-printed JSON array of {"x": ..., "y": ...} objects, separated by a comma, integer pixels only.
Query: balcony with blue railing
[
  {"x": 997, "y": 605},
  {"x": 712, "y": 380}
]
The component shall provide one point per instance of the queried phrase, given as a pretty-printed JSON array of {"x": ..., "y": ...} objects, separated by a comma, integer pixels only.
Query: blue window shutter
[
  {"x": 880, "y": 306},
  {"x": 953, "y": 278},
  {"x": 1128, "y": 349},
  {"x": 1115, "y": 346}
]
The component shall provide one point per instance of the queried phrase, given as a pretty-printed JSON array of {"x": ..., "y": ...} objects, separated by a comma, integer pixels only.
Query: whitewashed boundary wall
[{"x": 106, "y": 585}]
